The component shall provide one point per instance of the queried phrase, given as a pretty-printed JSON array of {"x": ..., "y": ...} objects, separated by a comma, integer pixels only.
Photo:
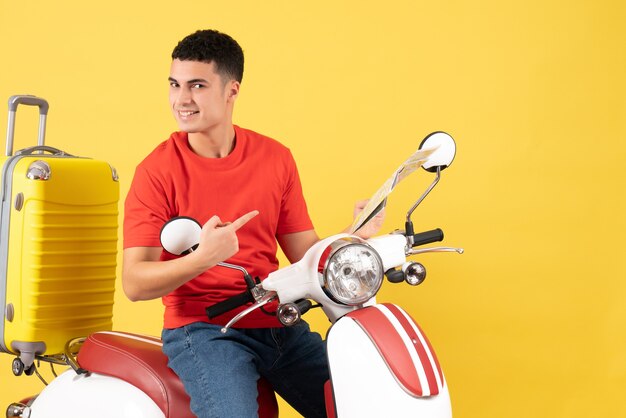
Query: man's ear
[{"x": 233, "y": 89}]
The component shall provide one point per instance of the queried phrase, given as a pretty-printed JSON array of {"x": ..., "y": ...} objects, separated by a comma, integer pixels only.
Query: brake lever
[
  {"x": 264, "y": 300},
  {"x": 435, "y": 250}
]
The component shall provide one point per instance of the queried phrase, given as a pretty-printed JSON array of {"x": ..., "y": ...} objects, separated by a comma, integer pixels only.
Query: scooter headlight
[{"x": 353, "y": 272}]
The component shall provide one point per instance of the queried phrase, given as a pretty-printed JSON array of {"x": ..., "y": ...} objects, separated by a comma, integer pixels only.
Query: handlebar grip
[
  {"x": 427, "y": 237},
  {"x": 229, "y": 304}
]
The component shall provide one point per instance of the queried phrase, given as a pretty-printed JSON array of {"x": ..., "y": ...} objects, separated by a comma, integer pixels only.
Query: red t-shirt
[{"x": 259, "y": 173}]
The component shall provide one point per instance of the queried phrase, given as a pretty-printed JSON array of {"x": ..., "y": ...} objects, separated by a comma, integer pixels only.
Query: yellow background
[{"x": 530, "y": 321}]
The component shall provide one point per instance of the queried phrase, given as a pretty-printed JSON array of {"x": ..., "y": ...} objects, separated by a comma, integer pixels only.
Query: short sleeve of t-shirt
[
  {"x": 294, "y": 215},
  {"x": 145, "y": 209}
]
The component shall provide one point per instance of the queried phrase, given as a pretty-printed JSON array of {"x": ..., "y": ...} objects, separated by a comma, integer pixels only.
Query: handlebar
[
  {"x": 248, "y": 296},
  {"x": 428, "y": 237},
  {"x": 229, "y": 304}
]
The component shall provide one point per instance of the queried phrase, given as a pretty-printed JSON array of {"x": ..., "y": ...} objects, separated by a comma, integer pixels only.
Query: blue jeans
[{"x": 220, "y": 371}]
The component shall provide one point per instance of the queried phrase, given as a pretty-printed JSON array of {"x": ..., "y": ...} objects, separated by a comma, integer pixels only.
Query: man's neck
[{"x": 217, "y": 143}]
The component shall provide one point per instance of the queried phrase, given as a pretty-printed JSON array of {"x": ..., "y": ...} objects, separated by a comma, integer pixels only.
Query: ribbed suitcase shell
[{"x": 58, "y": 244}]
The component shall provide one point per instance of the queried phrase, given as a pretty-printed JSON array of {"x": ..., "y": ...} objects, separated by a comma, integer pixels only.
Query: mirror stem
[
  {"x": 249, "y": 281},
  {"x": 409, "y": 224}
]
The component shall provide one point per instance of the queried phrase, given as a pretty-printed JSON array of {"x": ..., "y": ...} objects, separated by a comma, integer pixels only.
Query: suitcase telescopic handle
[{"x": 27, "y": 100}]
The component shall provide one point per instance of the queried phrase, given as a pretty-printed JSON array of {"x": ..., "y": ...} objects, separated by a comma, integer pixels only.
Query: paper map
[{"x": 379, "y": 199}]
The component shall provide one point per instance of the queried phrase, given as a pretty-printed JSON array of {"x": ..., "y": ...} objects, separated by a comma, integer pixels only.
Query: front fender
[{"x": 382, "y": 364}]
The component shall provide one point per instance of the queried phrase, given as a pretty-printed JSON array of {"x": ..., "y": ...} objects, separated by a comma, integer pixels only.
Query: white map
[{"x": 379, "y": 199}]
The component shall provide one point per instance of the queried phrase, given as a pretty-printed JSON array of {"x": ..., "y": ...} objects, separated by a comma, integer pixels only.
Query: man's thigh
[
  {"x": 300, "y": 370},
  {"x": 218, "y": 371}
]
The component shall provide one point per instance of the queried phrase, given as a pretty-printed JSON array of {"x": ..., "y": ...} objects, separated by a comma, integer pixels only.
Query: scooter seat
[{"x": 139, "y": 360}]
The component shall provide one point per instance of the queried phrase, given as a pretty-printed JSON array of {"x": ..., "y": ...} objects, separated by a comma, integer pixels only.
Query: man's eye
[
  {"x": 197, "y": 86},
  {"x": 173, "y": 84}
]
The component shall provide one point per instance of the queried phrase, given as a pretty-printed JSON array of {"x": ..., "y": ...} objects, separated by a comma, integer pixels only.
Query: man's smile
[{"x": 187, "y": 113}]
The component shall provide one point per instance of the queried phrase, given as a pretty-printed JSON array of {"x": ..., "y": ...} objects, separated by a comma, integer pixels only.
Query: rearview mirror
[
  {"x": 443, "y": 155},
  {"x": 180, "y": 235}
]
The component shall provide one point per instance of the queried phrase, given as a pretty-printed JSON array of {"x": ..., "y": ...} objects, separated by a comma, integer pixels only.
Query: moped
[{"x": 381, "y": 362}]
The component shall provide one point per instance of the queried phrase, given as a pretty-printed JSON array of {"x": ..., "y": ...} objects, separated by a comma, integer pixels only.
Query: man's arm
[
  {"x": 145, "y": 277},
  {"x": 296, "y": 244}
]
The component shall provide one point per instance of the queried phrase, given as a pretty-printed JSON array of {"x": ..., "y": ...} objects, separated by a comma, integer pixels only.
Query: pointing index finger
[{"x": 238, "y": 223}]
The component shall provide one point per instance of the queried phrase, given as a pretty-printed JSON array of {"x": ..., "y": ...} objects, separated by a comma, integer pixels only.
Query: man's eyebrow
[{"x": 195, "y": 80}]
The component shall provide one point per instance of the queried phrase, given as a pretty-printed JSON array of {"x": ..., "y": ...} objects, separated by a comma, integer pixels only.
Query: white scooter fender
[{"x": 380, "y": 354}]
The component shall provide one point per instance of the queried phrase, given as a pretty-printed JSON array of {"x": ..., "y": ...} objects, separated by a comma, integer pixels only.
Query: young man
[{"x": 244, "y": 188}]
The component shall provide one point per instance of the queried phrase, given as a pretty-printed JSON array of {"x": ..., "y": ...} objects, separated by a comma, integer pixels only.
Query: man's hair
[{"x": 212, "y": 46}]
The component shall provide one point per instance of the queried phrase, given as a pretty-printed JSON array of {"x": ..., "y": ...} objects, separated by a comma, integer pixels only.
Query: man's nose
[{"x": 184, "y": 96}]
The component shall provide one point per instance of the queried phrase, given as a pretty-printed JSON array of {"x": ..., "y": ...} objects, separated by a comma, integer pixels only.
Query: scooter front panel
[{"x": 364, "y": 383}]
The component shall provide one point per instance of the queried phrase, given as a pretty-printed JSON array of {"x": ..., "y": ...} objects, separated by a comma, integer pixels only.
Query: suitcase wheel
[{"x": 17, "y": 366}]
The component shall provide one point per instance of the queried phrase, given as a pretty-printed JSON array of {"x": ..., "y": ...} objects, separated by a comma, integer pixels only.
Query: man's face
[{"x": 199, "y": 98}]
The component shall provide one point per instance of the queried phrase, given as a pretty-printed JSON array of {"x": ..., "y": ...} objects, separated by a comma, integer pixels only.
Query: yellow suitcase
[{"x": 58, "y": 244}]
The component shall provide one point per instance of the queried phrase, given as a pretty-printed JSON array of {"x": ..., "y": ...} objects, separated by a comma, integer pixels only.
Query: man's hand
[
  {"x": 373, "y": 225},
  {"x": 218, "y": 241}
]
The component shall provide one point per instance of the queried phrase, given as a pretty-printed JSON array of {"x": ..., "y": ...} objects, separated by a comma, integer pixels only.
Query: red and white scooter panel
[{"x": 379, "y": 353}]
